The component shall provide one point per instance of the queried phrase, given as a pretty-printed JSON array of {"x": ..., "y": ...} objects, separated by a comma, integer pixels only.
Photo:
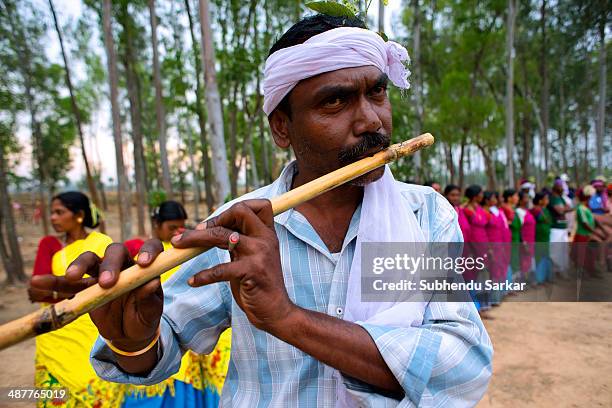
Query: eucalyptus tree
[
  {"x": 10, "y": 252},
  {"x": 77, "y": 114},
  {"x": 159, "y": 104},
  {"x": 122, "y": 182},
  {"x": 129, "y": 59},
  {"x": 214, "y": 108},
  {"x": 198, "y": 107}
]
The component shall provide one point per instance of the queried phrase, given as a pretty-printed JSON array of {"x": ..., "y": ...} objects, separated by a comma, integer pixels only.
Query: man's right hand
[{"x": 130, "y": 321}]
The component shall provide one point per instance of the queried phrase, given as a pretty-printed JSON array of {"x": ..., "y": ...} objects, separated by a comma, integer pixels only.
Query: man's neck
[
  {"x": 338, "y": 198},
  {"x": 331, "y": 212}
]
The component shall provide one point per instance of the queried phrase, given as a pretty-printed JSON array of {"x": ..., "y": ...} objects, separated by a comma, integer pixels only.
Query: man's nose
[{"x": 366, "y": 118}]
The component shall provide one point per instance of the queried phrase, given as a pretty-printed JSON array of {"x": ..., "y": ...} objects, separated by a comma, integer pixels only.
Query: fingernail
[
  {"x": 201, "y": 226},
  {"x": 106, "y": 276},
  {"x": 191, "y": 281},
  {"x": 144, "y": 257},
  {"x": 177, "y": 238},
  {"x": 71, "y": 269}
]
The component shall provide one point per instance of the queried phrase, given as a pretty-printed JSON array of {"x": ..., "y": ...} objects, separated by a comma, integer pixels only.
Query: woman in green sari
[{"x": 544, "y": 222}]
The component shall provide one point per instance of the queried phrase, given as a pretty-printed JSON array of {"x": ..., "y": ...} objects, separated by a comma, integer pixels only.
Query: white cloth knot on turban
[{"x": 339, "y": 48}]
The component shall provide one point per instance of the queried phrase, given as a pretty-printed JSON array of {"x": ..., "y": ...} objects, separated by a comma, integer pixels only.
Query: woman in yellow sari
[
  {"x": 200, "y": 378},
  {"x": 62, "y": 356}
]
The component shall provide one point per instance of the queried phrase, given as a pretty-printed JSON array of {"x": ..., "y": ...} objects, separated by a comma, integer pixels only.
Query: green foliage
[
  {"x": 34, "y": 86},
  {"x": 461, "y": 71},
  {"x": 156, "y": 197},
  {"x": 331, "y": 8}
]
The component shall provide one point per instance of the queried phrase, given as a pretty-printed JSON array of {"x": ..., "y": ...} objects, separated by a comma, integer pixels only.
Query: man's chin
[{"x": 368, "y": 178}]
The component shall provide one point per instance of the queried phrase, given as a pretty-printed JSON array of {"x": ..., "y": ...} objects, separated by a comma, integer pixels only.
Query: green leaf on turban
[{"x": 331, "y": 9}]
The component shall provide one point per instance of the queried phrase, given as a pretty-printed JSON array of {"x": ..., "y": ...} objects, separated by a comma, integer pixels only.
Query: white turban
[{"x": 344, "y": 47}]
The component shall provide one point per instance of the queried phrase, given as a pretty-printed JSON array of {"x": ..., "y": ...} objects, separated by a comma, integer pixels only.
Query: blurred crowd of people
[{"x": 534, "y": 235}]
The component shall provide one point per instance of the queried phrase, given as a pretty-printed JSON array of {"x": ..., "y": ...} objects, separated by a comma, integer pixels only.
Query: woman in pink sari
[
  {"x": 500, "y": 238},
  {"x": 495, "y": 230},
  {"x": 453, "y": 195},
  {"x": 477, "y": 241},
  {"x": 528, "y": 232}
]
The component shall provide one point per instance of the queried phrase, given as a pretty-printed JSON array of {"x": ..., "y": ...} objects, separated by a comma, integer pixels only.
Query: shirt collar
[{"x": 294, "y": 221}]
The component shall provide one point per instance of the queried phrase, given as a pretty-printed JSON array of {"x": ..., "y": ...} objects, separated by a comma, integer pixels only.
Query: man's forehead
[{"x": 345, "y": 76}]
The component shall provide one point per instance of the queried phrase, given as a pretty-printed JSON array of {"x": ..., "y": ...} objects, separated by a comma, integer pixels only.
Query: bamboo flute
[{"x": 55, "y": 316}]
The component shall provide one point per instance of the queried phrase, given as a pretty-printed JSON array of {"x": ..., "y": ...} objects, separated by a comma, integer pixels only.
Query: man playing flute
[{"x": 286, "y": 284}]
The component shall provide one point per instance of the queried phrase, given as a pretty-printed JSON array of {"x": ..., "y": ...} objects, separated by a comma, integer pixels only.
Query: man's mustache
[{"x": 368, "y": 141}]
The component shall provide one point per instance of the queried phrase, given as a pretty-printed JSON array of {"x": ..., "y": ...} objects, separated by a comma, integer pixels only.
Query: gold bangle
[{"x": 134, "y": 353}]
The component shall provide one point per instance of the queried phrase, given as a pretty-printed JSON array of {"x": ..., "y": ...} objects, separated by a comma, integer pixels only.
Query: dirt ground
[{"x": 546, "y": 354}]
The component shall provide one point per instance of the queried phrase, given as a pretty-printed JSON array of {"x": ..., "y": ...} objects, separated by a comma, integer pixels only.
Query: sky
[{"x": 98, "y": 136}]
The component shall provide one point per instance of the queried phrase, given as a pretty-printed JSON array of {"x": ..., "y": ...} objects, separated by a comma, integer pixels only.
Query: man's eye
[
  {"x": 333, "y": 102},
  {"x": 379, "y": 90}
]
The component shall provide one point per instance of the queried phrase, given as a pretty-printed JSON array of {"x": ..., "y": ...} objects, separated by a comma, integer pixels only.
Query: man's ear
[{"x": 279, "y": 124}]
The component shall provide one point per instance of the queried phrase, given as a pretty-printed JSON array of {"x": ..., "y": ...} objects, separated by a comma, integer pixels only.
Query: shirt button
[{"x": 339, "y": 311}]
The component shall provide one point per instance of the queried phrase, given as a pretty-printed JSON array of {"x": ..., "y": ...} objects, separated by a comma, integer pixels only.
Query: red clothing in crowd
[{"x": 47, "y": 247}]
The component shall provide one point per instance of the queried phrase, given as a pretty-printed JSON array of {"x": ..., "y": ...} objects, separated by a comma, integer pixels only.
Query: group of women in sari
[
  {"x": 514, "y": 234},
  {"x": 511, "y": 233},
  {"x": 62, "y": 356}
]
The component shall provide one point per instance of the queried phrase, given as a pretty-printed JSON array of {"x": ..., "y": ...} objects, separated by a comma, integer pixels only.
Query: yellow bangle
[{"x": 134, "y": 353}]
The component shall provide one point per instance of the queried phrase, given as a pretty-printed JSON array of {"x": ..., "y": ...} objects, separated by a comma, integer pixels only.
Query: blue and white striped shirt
[{"x": 442, "y": 363}]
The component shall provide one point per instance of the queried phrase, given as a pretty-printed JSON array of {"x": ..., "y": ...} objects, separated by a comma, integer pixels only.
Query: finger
[
  {"x": 207, "y": 238},
  {"x": 35, "y": 293},
  {"x": 115, "y": 259},
  {"x": 52, "y": 283},
  {"x": 66, "y": 286},
  {"x": 149, "y": 251},
  {"x": 263, "y": 210},
  {"x": 43, "y": 282},
  {"x": 86, "y": 263},
  {"x": 218, "y": 273},
  {"x": 48, "y": 284},
  {"x": 243, "y": 217},
  {"x": 149, "y": 300}
]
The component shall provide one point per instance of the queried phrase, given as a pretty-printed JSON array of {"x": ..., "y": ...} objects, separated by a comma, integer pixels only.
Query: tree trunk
[
  {"x": 233, "y": 142},
  {"x": 563, "y": 128},
  {"x": 140, "y": 170},
  {"x": 93, "y": 191},
  {"x": 489, "y": 167},
  {"x": 40, "y": 161},
  {"x": 601, "y": 108},
  {"x": 510, "y": 92},
  {"x": 159, "y": 105},
  {"x": 545, "y": 87},
  {"x": 449, "y": 162},
  {"x": 381, "y": 16},
  {"x": 416, "y": 67},
  {"x": 210, "y": 199},
  {"x": 11, "y": 256},
  {"x": 576, "y": 157},
  {"x": 248, "y": 140},
  {"x": 122, "y": 182},
  {"x": 461, "y": 159},
  {"x": 526, "y": 136},
  {"x": 587, "y": 170},
  {"x": 98, "y": 175},
  {"x": 213, "y": 103},
  {"x": 103, "y": 194},
  {"x": 194, "y": 171}
]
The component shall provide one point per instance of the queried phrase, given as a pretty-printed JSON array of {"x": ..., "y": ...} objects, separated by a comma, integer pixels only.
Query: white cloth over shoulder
[
  {"x": 385, "y": 217},
  {"x": 339, "y": 48}
]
